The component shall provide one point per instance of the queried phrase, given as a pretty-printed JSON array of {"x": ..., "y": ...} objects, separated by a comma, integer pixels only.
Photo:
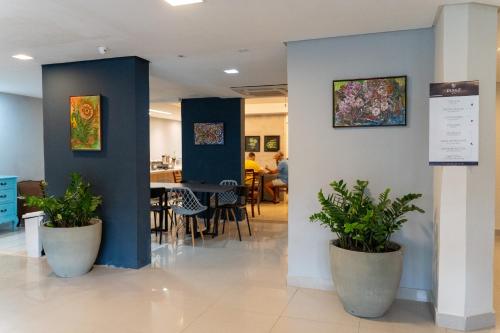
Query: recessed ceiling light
[
  {"x": 183, "y": 2},
  {"x": 498, "y": 49},
  {"x": 231, "y": 71},
  {"x": 166, "y": 113},
  {"x": 22, "y": 57}
]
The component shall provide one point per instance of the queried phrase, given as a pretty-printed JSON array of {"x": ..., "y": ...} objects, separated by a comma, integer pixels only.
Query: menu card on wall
[{"x": 454, "y": 123}]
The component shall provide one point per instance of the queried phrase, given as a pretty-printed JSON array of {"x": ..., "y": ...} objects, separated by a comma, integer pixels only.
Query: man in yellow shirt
[{"x": 251, "y": 164}]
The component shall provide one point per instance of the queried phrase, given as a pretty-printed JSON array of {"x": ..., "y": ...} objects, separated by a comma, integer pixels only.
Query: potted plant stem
[
  {"x": 366, "y": 265},
  {"x": 71, "y": 233}
]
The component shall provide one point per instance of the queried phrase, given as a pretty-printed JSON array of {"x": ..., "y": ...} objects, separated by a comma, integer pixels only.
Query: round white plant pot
[
  {"x": 72, "y": 251},
  {"x": 367, "y": 283}
]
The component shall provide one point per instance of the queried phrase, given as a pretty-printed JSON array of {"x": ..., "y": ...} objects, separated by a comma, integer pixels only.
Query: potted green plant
[
  {"x": 71, "y": 233},
  {"x": 366, "y": 265}
]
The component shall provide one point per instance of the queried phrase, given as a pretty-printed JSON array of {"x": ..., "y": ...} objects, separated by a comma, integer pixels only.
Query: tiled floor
[{"x": 221, "y": 285}]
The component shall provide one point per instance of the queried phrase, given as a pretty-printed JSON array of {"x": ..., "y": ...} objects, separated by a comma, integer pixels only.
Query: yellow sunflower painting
[{"x": 85, "y": 117}]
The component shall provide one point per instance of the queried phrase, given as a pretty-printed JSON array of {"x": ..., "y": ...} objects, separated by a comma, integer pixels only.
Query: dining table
[{"x": 202, "y": 188}]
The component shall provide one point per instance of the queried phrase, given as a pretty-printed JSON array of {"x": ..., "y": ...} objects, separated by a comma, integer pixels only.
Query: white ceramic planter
[
  {"x": 72, "y": 251},
  {"x": 367, "y": 283}
]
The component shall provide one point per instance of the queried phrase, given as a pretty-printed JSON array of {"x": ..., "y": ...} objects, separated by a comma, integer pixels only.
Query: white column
[{"x": 464, "y": 197}]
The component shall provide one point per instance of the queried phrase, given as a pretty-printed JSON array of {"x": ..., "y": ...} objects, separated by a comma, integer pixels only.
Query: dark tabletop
[{"x": 195, "y": 187}]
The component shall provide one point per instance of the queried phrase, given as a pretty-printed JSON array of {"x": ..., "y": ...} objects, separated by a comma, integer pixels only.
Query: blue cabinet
[{"x": 8, "y": 200}]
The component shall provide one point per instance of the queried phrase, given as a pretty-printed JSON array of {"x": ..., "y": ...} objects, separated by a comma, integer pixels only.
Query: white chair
[{"x": 186, "y": 204}]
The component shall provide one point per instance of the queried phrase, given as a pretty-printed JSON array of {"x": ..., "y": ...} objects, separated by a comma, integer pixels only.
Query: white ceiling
[{"x": 209, "y": 35}]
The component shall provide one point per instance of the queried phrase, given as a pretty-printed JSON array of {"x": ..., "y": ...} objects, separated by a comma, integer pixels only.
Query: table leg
[{"x": 216, "y": 216}]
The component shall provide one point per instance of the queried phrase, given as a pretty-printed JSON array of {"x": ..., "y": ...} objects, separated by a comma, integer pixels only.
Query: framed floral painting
[
  {"x": 85, "y": 118},
  {"x": 252, "y": 143},
  {"x": 271, "y": 143},
  {"x": 370, "y": 102}
]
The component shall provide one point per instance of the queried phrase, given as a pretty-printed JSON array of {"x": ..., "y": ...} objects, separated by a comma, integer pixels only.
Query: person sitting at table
[
  {"x": 281, "y": 171},
  {"x": 251, "y": 164}
]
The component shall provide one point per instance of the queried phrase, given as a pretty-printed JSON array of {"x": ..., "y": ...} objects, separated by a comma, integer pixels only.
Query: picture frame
[
  {"x": 271, "y": 143},
  {"x": 252, "y": 143},
  {"x": 208, "y": 133},
  {"x": 85, "y": 123},
  {"x": 370, "y": 102}
]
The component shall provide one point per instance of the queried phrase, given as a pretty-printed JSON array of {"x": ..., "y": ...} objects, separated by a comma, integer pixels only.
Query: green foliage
[
  {"x": 360, "y": 223},
  {"x": 75, "y": 209}
]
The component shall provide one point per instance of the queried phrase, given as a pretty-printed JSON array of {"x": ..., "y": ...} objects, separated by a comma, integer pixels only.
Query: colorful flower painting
[
  {"x": 208, "y": 133},
  {"x": 85, "y": 117},
  {"x": 369, "y": 102}
]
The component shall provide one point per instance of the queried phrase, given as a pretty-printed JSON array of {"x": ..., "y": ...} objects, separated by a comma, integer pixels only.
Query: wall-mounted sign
[{"x": 454, "y": 123}]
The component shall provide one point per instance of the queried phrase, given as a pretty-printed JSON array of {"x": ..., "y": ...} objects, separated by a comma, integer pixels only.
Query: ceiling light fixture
[
  {"x": 183, "y": 2},
  {"x": 231, "y": 71},
  {"x": 160, "y": 112},
  {"x": 22, "y": 57}
]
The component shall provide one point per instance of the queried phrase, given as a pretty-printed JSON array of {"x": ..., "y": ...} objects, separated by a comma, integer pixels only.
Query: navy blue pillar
[
  {"x": 120, "y": 172},
  {"x": 213, "y": 163}
]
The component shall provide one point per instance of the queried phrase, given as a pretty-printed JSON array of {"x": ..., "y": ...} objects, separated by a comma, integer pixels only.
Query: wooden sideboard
[
  {"x": 162, "y": 176},
  {"x": 8, "y": 200}
]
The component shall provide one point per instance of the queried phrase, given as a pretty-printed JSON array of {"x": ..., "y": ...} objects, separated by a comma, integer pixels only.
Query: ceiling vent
[{"x": 277, "y": 90}]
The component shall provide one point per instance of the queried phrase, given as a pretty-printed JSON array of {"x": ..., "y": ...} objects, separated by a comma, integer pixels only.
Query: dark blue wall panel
[
  {"x": 120, "y": 172},
  {"x": 213, "y": 163}
]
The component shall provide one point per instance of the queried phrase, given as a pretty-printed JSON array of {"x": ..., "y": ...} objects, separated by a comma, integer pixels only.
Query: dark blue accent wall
[
  {"x": 213, "y": 163},
  {"x": 120, "y": 172}
]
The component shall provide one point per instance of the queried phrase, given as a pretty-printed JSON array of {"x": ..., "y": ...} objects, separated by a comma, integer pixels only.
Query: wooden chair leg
[
  {"x": 192, "y": 229},
  {"x": 233, "y": 212},
  {"x": 161, "y": 225},
  {"x": 253, "y": 207},
  {"x": 198, "y": 227},
  {"x": 226, "y": 218},
  {"x": 156, "y": 227},
  {"x": 248, "y": 222}
]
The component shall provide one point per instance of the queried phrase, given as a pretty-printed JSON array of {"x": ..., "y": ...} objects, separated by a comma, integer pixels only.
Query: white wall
[
  {"x": 387, "y": 157},
  {"x": 263, "y": 125},
  {"x": 165, "y": 137},
  {"x": 497, "y": 200},
  {"x": 21, "y": 137}
]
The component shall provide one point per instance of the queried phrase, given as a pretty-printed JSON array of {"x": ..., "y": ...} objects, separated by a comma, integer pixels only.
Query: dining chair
[
  {"x": 240, "y": 205},
  {"x": 159, "y": 206},
  {"x": 254, "y": 182},
  {"x": 177, "y": 176},
  {"x": 186, "y": 205}
]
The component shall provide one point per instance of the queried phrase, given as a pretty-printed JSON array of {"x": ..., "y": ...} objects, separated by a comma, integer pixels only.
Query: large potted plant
[
  {"x": 71, "y": 233},
  {"x": 366, "y": 265}
]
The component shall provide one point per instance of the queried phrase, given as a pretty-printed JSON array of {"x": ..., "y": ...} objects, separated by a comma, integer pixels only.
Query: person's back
[
  {"x": 283, "y": 171},
  {"x": 251, "y": 164}
]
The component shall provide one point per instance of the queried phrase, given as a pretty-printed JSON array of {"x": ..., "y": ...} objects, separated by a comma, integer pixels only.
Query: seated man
[
  {"x": 282, "y": 179},
  {"x": 251, "y": 164}
]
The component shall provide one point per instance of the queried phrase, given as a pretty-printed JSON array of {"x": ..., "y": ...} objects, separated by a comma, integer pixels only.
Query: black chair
[
  {"x": 159, "y": 207},
  {"x": 240, "y": 206}
]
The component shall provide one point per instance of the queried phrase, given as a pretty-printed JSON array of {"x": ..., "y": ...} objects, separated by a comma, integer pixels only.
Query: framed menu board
[{"x": 454, "y": 123}]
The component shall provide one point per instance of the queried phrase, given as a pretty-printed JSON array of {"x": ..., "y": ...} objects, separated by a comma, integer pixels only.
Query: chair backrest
[
  {"x": 242, "y": 194},
  {"x": 30, "y": 188},
  {"x": 255, "y": 182},
  {"x": 228, "y": 198},
  {"x": 184, "y": 202},
  {"x": 159, "y": 194},
  {"x": 177, "y": 176}
]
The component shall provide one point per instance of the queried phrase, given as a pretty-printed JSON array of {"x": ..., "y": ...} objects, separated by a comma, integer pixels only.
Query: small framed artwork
[
  {"x": 85, "y": 123},
  {"x": 370, "y": 102},
  {"x": 208, "y": 133},
  {"x": 271, "y": 143},
  {"x": 252, "y": 143}
]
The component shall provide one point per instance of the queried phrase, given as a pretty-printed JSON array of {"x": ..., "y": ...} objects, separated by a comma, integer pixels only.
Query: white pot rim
[
  {"x": 93, "y": 222},
  {"x": 400, "y": 250}
]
